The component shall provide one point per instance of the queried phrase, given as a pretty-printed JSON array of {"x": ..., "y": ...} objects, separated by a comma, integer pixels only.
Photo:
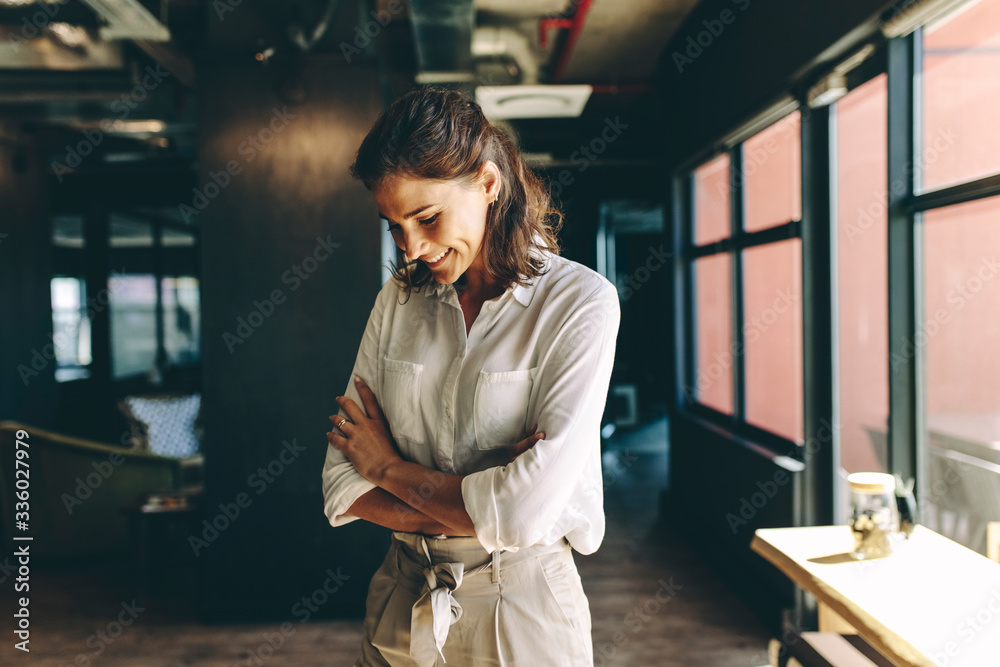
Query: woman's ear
[{"x": 492, "y": 183}]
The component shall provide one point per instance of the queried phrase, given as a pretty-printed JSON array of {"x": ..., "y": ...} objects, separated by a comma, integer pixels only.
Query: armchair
[{"x": 76, "y": 490}]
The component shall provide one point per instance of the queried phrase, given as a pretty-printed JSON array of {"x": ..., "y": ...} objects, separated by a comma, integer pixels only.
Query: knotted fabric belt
[{"x": 437, "y": 609}]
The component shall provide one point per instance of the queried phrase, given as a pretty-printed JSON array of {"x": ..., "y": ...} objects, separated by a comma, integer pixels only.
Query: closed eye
[{"x": 426, "y": 222}]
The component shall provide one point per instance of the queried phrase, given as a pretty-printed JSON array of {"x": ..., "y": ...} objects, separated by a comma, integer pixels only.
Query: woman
[{"x": 496, "y": 332}]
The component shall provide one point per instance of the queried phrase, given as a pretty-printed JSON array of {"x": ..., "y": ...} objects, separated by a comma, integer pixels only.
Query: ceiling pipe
[
  {"x": 621, "y": 89},
  {"x": 551, "y": 23},
  {"x": 496, "y": 41},
  {"x": 575, "y": 28}
]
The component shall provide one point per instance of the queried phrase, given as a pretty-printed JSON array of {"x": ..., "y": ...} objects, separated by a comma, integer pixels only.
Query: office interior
[{"x": 799, "y": 203}]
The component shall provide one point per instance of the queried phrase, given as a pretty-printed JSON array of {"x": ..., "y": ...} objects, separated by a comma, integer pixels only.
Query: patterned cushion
[{"x": 168, "y": 422}]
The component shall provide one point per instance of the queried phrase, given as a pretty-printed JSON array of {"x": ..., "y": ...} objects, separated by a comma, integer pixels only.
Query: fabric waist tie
[{"x": 445, "y": 563}]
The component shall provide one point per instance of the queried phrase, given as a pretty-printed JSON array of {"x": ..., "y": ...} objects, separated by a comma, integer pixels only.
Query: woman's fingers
[
  {"x": 527, "y": 443},
  {"x": 336, "y": 440},
  {"x": 368, "y": 398},
  {"x": 353, "y": 410},
  {"x": 338, "y": 419}
]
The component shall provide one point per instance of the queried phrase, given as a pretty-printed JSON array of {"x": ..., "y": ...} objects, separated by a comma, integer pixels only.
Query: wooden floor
[{"x": 652, "y": 603}]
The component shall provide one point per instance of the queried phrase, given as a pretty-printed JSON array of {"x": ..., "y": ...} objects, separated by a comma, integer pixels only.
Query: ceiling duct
[
  {"x": 128, "y": 19},
  {"x": 442, "y": 32},
  {"x": 500, "y": 41},
  {"x": 511, "y": 32},
  {"x": 452, "y": 48},
  {"x": 524, "y": 9}
]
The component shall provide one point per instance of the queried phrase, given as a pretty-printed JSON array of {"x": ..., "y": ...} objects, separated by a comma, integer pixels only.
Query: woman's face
[{"x": 440, "y": 223}]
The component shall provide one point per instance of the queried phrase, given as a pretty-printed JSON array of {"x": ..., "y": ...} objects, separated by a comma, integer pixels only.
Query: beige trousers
[{"x": 437, "y": 601}]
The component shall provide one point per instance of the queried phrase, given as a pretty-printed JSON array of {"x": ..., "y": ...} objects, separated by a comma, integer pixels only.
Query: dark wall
[
  {"x": 25, "y": 272},
  {"x": 747, "y": 61},
  {"x": 641, "y": 355},
  {"x": 277, "y": 194},
  {"x": 722, "y": 491}
]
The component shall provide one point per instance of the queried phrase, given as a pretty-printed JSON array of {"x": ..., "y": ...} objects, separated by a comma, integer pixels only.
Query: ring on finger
[{"x": 340, "y": 424}]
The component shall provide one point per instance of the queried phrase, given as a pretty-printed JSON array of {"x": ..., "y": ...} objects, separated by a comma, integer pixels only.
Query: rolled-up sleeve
[
  {"x": 541, "y": 492},
  {"x": 342, "y": 483}
]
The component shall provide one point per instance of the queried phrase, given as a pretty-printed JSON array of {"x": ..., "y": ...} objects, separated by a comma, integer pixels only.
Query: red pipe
[
  {"x": 548, "y": 23},
  {"x": 621, "y": 89},
  {"x": 575, "y": 27}
]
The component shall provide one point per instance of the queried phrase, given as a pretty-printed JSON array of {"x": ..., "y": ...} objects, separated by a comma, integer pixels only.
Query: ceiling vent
[{"x": 533, "y": 101}]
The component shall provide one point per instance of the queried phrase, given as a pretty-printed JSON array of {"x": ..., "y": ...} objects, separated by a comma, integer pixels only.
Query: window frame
[{"x": 738, "y": 241}]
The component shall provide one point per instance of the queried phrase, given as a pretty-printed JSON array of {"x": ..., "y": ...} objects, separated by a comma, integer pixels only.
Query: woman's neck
[{"x": 473, "y": 285}]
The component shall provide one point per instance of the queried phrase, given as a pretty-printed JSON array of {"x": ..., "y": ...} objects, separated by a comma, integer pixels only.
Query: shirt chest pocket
[
  {"x": 401, "y": 399},
  {"x": 500, "y": 411}
]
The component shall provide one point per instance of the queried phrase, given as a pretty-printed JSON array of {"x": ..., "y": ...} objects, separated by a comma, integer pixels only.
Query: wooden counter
[{"x": 932, "y": 603}]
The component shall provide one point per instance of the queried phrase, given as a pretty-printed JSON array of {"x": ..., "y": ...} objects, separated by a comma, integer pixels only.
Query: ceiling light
[
  {"x": 829, "y": 89},
  {"x": 909, "y": 16},
  {"x": 71, "y": 36},
  {"x": 137, "y": 126},
  {"x": 118, "y": 126}
]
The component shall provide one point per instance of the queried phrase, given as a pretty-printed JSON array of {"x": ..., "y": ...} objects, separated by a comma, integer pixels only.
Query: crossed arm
[
  {"x": 383, "y": 508},
  {"x": 368, "y": 445}
]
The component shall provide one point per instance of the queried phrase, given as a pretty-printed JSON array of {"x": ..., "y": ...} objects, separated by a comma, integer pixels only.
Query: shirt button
[{"x": 447, "y": 412}]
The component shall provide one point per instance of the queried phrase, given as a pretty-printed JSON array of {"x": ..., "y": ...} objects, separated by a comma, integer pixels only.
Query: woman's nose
[{"x": 414, "y": 244}]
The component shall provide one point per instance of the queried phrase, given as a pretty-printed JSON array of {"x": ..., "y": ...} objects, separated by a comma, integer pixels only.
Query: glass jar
[{"x": 874, "y": 515}]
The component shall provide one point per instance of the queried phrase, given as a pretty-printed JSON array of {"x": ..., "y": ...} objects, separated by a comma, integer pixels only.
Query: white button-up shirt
[{"x": 458, "y": 403}]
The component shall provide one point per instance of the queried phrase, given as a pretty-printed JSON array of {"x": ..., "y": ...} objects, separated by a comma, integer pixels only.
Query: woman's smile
[{"x": 433, "y": 262}]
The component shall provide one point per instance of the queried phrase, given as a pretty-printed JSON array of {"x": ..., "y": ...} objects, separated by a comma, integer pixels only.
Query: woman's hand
[
  {"x": 528, "y": 442},
  {"x": 367, "y": 441}
]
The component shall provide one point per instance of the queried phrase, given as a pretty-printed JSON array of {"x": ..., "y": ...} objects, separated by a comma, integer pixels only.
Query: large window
[
  {"x": 745, "y": 265},
  {"x": 145, "y": 286},
  {"x": 956, "y": 221},
  {"x": 845, "y": 266}
]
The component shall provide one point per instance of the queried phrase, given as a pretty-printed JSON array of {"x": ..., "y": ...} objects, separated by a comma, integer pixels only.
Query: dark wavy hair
[{"x": 441, "y": 134}]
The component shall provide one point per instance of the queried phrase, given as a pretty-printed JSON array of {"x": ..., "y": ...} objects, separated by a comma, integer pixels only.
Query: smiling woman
[{"x": 432, "y": 439}]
